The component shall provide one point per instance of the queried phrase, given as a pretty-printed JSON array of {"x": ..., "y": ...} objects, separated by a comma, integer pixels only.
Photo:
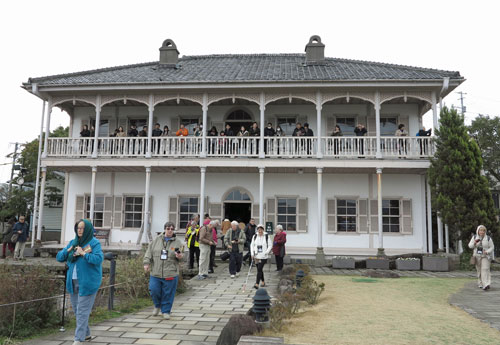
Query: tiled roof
[{"x": 246, "y": 68}]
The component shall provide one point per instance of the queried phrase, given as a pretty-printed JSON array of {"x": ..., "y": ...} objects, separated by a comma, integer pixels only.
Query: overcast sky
[{"x": 41, "y": 38}]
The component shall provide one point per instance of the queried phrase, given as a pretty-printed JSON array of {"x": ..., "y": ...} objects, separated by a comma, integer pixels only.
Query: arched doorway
[
  {"x": 238, "y": 205},
  {"x": 238, "y": 118}
]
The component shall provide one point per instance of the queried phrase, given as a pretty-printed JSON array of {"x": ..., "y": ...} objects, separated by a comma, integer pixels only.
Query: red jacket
[{"x": 279, "y": 241}]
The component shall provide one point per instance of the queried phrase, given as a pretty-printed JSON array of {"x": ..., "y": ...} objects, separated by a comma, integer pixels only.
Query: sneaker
[
  {"x": 76, "y": 342},
  {"x": 156, "y": 311},
  {"x": 90, "y": 337},
  {"x": 232, "y": 275},
  {"x": 237, "y": 274},
  {"x": 480, "y": 286},
  {"x": 210, "y": 271},
  {"x": 200, "y": 277},
  {"x": 206, "y": 275},
  {"x": 166, "y": 316}
]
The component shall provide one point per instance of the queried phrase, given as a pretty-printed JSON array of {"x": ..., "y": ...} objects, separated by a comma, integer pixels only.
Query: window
[
  {"x": 390, "y": 215},
  {"x": 287, "y": 213},
  {"x": 190, "y": 124},
  {"x": 133, "y": 211},
  {"x": 388, "y": 126},
  {"x": 188, "y": 207},
  {"x": 346, "y": 215},
  {"x": 239, "y": 115},
  {"x": 55, "y": 201},
  {"x": 347, "y": 125},
  {"x": 139, "y": 123},
  {"x": 98, "y": 210},
  {"x": 103, "y": 128},
  {"x": 287, "y": 124},
  {"x": 238, "y": 195}
]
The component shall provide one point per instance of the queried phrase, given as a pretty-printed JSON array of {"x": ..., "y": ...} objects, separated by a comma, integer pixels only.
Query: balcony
[{"x": 248, "y": 147}]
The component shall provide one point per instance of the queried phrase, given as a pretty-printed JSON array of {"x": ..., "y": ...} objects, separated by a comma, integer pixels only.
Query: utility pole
[
  {"x": 14, "y": 157},
  {"x": 461, "y": 99}
]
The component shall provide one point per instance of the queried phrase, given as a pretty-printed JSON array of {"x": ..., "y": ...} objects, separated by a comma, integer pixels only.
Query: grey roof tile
[{"x": 245, "y": 68}]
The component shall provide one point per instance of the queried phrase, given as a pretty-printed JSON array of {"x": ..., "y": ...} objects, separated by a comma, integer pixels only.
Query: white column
[
  {"x": 319, "y": 106},
  {"x": 97, "y": 124},
  {"x": 440, "y": 234},
  {"x": 204, "y": 108},
  {"x": 47, "y": 128},
  {"x": 262, "y": 108},
  {"x": 319, "y": 172},
  {"x": 261, "y": 196},
  {"x": 37, "y": 183},
  {"x": 377, "y": 124},
  {"x": 40, "y": 205},
  {"x": 151, "y": 109},
  {"x": 202, "y": 194},
  {"x": 92, "y": 195},
  {"x": 429, "y": 219},
  {"x": 147, "y": 211},
  {"x": 447, "y": 238},
  {"x": 435, "y": 119},
  {"x": 379, "y": 213},
  {"x": 424, "y": 211}
]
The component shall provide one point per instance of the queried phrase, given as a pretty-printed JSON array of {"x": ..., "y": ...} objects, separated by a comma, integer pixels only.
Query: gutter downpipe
[{"x": 444, "y": 88}]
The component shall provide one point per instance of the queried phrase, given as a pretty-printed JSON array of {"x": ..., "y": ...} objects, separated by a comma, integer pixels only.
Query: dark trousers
[
  {"x": 212, "y": 258},
  {"x": 247, "y": 257},
  {"x": 194, "y": 251},
  {"x": 235, "y": 260},
  {"x": 10, "y": 246},
  {"x": 279, "y": 262},
  {"x": 260, "y": 271}
]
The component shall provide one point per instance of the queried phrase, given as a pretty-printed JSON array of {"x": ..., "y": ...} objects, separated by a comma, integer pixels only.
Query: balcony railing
[{"x": 287, "y": 147}]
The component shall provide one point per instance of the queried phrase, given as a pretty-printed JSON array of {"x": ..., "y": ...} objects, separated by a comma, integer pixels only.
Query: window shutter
[
  {"x": 373, "y": 216},
  {"x": 331, "y": 211},
  {"x": 118, "y": 213},
  {"x": 123, "y": 122},
  {"x": 362, "y": 224},
  {"x": 405, "y": 221},
  {"x": 174, "y": 124},
  {"x": 172, "y": 210},
  {"x": 79, "y": 208},
  {"x": 330, "y": 125},
  {"x": 108, "y": 212},
  {"x": 302, "y": 215},
  {"x": 371, "y": 126},
  {"x": 215, "y": 211},
  {"x": 255, "y": 211},
  {"x": 271, "y": 211}
]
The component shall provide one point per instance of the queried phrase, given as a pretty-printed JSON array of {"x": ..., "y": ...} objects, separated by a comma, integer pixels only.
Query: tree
[
  {"x": 460, "y": 193},
  {"x": 22, "y": 197},
  {"x": 486, "y": 131}
]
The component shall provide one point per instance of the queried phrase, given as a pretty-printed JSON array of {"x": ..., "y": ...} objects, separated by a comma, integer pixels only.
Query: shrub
[
  {"x": 130, "y": 274},
  {"x": 25, "y": 284}
]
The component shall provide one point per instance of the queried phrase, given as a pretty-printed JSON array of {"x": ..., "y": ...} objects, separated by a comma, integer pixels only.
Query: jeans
[
  {"x": 204, "y": 259},
  {"x": 235, "y": 260},
  {"x": 260, "y": 271},
  {"x": 163, "y": 292},
  {"x": 19, "y": 251},
  {"x": 82, "y": 306}
]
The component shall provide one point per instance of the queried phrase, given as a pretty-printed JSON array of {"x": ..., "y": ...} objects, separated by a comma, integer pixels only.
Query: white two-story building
[{"x": 342, "y": 195}]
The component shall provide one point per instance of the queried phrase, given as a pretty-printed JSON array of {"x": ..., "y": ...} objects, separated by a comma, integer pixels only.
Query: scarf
[{"x": 87, "y": 236}]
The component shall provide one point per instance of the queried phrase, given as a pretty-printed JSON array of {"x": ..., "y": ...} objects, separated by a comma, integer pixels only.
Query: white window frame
[
  {"x": 296, "y": 197},
  {"x": 190, "y": 214},
  {"x": 398, "y": 217},
  {"x": 124, "y": 211},
  {"x": 355, "y": 215},
  {"x": 87, "y": 210}
]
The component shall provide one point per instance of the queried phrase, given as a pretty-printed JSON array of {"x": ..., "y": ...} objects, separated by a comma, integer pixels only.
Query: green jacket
[
  {"x": 229, "y": 237},
  {"x": 163, "y": 268}
]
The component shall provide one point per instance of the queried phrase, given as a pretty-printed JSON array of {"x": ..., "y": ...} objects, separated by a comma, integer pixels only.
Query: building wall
[{"x": 164, "y": 185}]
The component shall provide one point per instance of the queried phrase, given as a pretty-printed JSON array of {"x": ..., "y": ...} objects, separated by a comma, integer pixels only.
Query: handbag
[
  {"x": 224, "y": 256},
  {"x": 14, "y": 238},
  {"x": 282, "y": 251},
  {"x": 472, "y": 260}
]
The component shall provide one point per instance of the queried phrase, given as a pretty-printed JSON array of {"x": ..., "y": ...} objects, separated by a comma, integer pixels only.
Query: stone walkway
[{"x": 198, "y": 315}]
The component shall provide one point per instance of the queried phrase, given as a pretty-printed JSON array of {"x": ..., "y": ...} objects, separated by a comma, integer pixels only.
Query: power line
[{"x": 461, "y": 99}]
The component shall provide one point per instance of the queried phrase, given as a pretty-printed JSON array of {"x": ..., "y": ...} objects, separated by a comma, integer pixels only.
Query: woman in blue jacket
[{"x": 84, "y": 258}]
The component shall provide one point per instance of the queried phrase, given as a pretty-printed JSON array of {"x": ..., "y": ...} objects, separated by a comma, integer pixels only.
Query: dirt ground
[{"x": 353, "y": 310}]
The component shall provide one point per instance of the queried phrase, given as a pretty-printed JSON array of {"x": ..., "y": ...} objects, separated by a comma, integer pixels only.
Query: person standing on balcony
[
  {"x": 162, "y": 261},
  {"x": 84, "y": 258},
  {"x": 121, "y": 133},
  {"x": 132, "y": 132},
  {"x": 235, "y": 240},
  {"x": 254, "y": 131},
  {"x": 229, "y": 143},
  {"x": 268, "y": 142},
  {"x": 85, "y": 133},
  {"x": 308, "y": 132},
  {"x": 424, "y": 144},
  {"x": 401, "y": 132},
  {"x": 23, "y": 232},
  {"x": 166, "y": 131},
  {"x": 182, "y": 131},
  {"x": 279, "y": 133},
  {"x": 242, "y": 142},
  {"x": 360, "y": 131},
  {"x": 144, "y": 132},
  {"x": 337, "y": 132},
  {"x": 298, "y": 132},
  {"x": 92, "y": 131},
  {"x": 157, "y": 132}
]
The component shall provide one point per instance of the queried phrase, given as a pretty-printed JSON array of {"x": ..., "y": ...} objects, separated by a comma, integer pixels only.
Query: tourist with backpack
[
  {"x": 192, "y": 234},
  {"x": 483, "y": 247},
  {"x": 260, "y": 248}
]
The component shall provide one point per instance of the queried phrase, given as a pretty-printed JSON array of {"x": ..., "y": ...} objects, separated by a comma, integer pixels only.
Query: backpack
[{"x": 267, "y": 238}]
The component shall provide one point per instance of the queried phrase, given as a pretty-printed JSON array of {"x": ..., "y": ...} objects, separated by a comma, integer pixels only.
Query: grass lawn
[{"x": 354, "y": 310}]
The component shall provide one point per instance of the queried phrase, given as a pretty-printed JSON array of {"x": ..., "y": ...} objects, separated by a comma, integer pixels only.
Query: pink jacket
[{"x": 214, "y": 234}]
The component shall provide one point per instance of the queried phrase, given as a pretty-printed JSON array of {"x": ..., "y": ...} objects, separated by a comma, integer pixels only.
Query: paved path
[{"x": 198, "y": 315}]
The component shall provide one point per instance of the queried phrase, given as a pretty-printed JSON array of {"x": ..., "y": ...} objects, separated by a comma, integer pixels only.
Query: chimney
[
  {"x": 315, "y": 51},
  {"x": 169, "y": 55}
]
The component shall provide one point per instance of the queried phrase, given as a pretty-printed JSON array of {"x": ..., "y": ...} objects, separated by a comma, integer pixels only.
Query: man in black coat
[
  {"x": 360, "y": 131},
  {"x": 22, "y": 230},
  {"x": 249, "y": 232},
  {"x": 132, "y": 132},
  {"x": 308, "y": 132},
  {"x": 268, "y": 132}
]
